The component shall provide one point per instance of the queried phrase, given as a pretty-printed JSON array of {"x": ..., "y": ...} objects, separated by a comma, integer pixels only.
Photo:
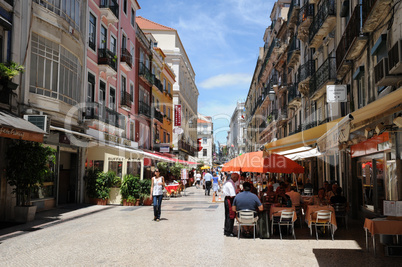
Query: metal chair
[
  {"x": 323, "y": 219},
  {"x": 341, "y": 212},
  {"x": 287, "y": 220},
  {"x": 246, "y": 217},
  {"x": 308, "y": 191}
]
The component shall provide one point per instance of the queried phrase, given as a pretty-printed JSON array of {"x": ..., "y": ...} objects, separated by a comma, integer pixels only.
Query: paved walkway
[{"x": 189, "y": 234}]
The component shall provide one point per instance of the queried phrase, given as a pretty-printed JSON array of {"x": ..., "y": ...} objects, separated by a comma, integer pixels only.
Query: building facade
[
  {"x": 205, "y": 133},
  {"x": 236, "y": 135}
]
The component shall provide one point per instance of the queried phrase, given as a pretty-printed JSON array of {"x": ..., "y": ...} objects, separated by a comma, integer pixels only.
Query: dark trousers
[
  {"x": 228, "y": 227},
  {"x": 207, "y": 187},
  {"x": 157, "y": 202}
]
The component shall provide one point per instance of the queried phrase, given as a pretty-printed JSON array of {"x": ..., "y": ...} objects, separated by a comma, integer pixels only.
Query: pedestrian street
[{"x": 190, "y": 233}]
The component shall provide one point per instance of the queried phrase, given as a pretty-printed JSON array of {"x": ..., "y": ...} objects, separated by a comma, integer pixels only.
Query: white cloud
[{"x": 228, "y": 79}]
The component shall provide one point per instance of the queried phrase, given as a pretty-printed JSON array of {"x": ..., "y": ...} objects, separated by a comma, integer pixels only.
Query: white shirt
[
  {"x": 207, "y": 177},
  {"x": 228, "y": 189},
  {"x": 198, "y": 176},
  {"x": 157, "y": 190}
]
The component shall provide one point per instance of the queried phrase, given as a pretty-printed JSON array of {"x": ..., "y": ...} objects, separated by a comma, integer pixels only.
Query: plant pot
[
  {"x": 114, "y": 196},
  {"x": 137, "y": 202},
  {"x": 24, "y": 214},
  {"x": 147, "y": 201},
  {"x": 98, "y": 201},
  {"x": 127, "y": 203}
]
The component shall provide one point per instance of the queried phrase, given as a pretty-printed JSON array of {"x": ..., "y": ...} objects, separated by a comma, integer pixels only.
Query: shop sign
[
  {"x": 177, "y": 115},
  {"x": 115, "y": 159},
  {"x": 336, "y": 93},
  {"x": 164, "y": 149},
  {"x": 11, "y": 133}
]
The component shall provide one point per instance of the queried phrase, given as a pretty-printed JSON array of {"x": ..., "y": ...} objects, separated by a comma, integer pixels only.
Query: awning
[
  {"x": 71, "y": 135},
  {"x": 385, "y": 106},
  {"x": 300, "y": 153},
  {"x": 304, "y": 138},
  {"x": 15, "y": 127},
  {"x": 336, "y": 135}
]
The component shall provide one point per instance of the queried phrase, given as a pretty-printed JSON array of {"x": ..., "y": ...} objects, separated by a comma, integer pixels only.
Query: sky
[{"x": 222, "y": 40}]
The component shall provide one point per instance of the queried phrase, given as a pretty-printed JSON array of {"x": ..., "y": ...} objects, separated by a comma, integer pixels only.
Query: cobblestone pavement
[{"x": 190, "y": 233}]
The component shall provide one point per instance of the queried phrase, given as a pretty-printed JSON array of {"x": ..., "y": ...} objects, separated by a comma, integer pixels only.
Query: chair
[
  {"x": 323, "y": 219},
  {"x": 246, "y": 217},
  {"x": 308, "y": 191},
  {"x": 341, "y": 212},
  {"x": 287, "y": 219}
]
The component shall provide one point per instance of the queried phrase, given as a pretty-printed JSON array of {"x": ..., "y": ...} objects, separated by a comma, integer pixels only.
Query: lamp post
[{"x": 271, "y": 94}]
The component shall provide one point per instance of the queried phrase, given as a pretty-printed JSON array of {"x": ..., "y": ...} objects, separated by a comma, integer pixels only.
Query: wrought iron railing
[
  {"x": 326, "y": 72},
  {"x": 306, "y": 11},
  {"x": 144, "y": 109},
  {"x": 367, "y": 5},
  {"x": 293, "y": 92},
  {"x": 112, "y": 5},
  {"x": 283, "y": 113},
  {"x": 158, "y": 115},
  {"x": 307, "y": 69},
  {"x": 126, "y": 57},
  {"x": 309, "y": 125},
  {"x": 126, "y": 99},
  {"x": 187, "y": 147},
  {"x": 293, "y": 4},
  {"x": 145, "y": 72},
  {"x": 107, "y": 57},
  {"x": 99, "y": 112},
  {"x": 262, "y": 126},
  {"x": 158, "y": 84},
  {"x": 293, "y": 47},
  {"x": 328, "y": 8},
  {"x": 351, "y": 32}
]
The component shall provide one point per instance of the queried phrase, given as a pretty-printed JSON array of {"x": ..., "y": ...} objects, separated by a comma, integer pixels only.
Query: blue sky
[{"x": 222, "y": 39}]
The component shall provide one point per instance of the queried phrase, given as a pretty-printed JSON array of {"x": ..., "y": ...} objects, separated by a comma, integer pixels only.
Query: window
[
  {"x": 204, "y": 140},
  {"x": 164, "y": 109},
  {"x": 164, "y": 84},
  {"x": 91, "y": 88},
  {"x": 92, "y": 31},
  {"x": 103, "y": 37},
  {"x": 204, "y": 152},
  {"x": 102, "y": 92},
  {"x": 157, "y": 103},
  {"x": 132, "y": 17},
  {"x": 112, "y": 99},
  {"x": 169, "y": 87},
  {"x": 124, "y": 42},
  {"x": 168, "y": 137},
  {"x": 125, "y": 6},
  {"x": 132, "y": 131},
  {"x": 131, "y": 92},
  {"x": 113, "y": 45},
  {"x": 67, "y": 9},
  {"x": 123, "y": 87},
  {"x": 164, "y": 137},
  {"x": 168, "y": 115}
]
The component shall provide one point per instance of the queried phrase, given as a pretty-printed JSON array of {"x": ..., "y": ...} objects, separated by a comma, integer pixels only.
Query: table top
[{"x": 386, "y": 226}]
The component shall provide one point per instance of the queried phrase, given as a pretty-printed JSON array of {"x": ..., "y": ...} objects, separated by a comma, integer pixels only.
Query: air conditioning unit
[
  {"x": 382, "y": 76},
  {"x": 395, "y": 58},
  {"x": 41, "y": 121}
]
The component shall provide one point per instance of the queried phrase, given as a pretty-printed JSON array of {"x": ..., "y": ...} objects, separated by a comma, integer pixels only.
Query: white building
[
  {"x": 205, "y": 130},
  {"x": 236, "y": 141},
  {"x": 185, "y": 92}
]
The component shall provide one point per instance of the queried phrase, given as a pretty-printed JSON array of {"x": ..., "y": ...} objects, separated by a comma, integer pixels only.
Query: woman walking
[
  {"x": 158, "y": 182},
  {"x": 215, "y": 183}
]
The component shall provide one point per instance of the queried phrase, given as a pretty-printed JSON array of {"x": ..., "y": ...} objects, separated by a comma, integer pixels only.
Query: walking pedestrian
[
  {"x": 158, "y": 182},
  {"x": 229, "y": 190},
  {"x": 208, "y": 182},
  {"x": 215, "y": 183},
  {"x": 198, "y": 180}
]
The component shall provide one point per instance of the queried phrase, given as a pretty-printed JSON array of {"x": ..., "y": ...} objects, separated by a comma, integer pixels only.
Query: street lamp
[{"x": 271, "y": 94}]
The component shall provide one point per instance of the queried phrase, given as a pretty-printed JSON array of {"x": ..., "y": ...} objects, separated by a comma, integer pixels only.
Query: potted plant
[
  {"x": 115, "y": 184},
  {"x": 26, "y": 169},
  {"x": 130, "y": 190},
  {"x": 146, "y": 191},
  {"x": 98, "y": 186},
  {"x": 8, "y": 70}
]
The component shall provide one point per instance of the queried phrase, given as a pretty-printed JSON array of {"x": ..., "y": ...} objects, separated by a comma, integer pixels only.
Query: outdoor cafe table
[
  {"x": 172, "y": 188},
  {"x": 311, "y": 209},
  {"x": 383, "y": 226}
]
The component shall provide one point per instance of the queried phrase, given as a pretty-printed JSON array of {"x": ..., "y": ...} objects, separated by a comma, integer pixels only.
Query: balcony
[
  {"x": 326, "y": 74},
  {"x": 306, "y": 15},
  {"x": 293, "y": 13},
  {"x": 351, "y": 45},
  {"x": 186, "y": 147},
  {"x": 295, "y": 131},
  {"x": 145, "y": 73},
  {"x": 309, "y": 125},
  {"x": 373, "y": 13},
  {"x": 110, "y": 10},
  {"x": 126, "y": 59},
  {"x": 126, "y": 100},
  {"x": 144, "y": 109},
  {"x": 293, "y": 52},
  {"x": 158, "y": 84},
  {"x": 294, "y": 95},
  {"x": 262, "y": 127},
  {"x": 158, "y": 115},
  {"x": 97, "y": 111},
  {"x": 323, "y": 23},
  {"x": 283, "y": 115},
  {"x": 107, "y": 61},
  {"x": 382, "y": 76}
]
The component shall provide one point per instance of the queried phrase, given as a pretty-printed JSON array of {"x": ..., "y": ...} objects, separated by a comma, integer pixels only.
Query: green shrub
[
  {"x": 98, "y": 183},
  {"x": 130, "y": 187}
]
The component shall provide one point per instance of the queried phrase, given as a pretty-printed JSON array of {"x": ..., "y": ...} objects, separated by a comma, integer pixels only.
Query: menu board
[{"x": 392, "y": 208}]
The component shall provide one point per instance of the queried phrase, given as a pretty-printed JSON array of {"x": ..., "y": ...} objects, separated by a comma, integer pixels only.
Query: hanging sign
[
  {"x": 177, "y": 115},
  {"x": 336, "y": 93}
]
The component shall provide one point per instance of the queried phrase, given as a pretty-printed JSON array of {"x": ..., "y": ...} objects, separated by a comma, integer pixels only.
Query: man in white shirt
[
  {"x": 198, "y": 180},
  {"x": 207, "y": 182},
  {"x": 295, "y": 196},
  {"x": 229, "y": 190}
]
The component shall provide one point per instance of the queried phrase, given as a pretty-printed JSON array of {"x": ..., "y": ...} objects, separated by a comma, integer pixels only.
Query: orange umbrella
[{"x": 263, "y": 162}]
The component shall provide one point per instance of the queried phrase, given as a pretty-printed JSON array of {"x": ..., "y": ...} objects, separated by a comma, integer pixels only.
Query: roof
[
  {"x": 202, "y": 121},
  {"x": 146, "y": 24}
]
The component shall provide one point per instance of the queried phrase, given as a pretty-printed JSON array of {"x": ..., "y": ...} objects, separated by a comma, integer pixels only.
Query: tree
[{"x": 27, "y": 167}]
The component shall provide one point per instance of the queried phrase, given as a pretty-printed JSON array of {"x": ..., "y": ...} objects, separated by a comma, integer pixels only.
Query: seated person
[
  {"x": 247, "y": 200},
  {"x": 295, "y": 196},
  {"x": 282, "y": 200},
  {"x": 332, "y": 192},
  {"x": 308, "y": 184},
  {"x": 338, "y": 198},
  {"x": 320, "y": 199}
]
